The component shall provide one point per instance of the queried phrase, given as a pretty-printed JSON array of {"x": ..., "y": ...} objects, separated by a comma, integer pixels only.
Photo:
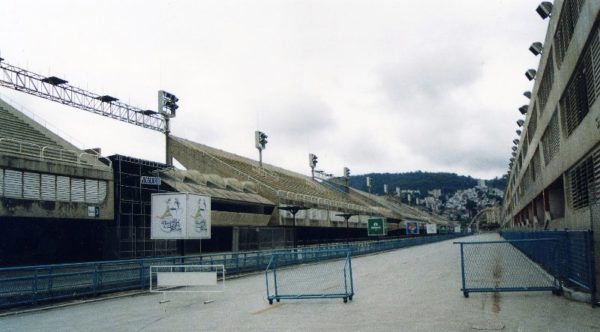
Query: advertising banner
[
  {"x": 431, "y": 228},
  {"x": 180, "y": 216},
  {"x": 412, "y": 227}
]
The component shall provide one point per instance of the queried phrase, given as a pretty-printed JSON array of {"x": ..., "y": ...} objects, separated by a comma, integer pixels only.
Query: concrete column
[{"x": 235, "y": 239}]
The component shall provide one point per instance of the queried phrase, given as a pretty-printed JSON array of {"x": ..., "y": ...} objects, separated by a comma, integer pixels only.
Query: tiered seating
[
  {"x": 20, "y": 138},
  {"x": 272, "y": 176},
  {"x": 280, "y": 180}
]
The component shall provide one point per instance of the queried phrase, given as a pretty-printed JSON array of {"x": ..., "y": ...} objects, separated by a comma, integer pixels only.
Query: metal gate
[
  {"x": 509, "y": 266},
  {"x": 315, "y": 274}
]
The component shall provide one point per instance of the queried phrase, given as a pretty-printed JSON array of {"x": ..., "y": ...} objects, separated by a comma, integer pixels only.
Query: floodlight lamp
[
  {"x": 516, "y": 141},
  {"x": 511, "y": 160},
  {"x": 520, "y": 122},
  {"x": 523, "y": 109},
  {"x": 527, "y": 94},
  {"x": 514, "y": 154},
  {"x": 536, "y": 48},
  {"x": 544, "y": 9},
  {"x": 514, "y": 148},
  {"x": 519, "y": 132},
  {"x": 530, "y": 74}
]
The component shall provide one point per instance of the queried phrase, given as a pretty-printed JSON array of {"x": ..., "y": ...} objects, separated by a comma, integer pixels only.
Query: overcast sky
[{"x": 376, "y": 86}]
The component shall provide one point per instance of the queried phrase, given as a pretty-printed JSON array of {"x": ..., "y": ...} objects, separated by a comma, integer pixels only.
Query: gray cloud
[{"x": 297, "y": 118}]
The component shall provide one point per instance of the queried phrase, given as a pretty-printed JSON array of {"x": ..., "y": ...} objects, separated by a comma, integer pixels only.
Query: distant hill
[{"x": 422, "y": 181}]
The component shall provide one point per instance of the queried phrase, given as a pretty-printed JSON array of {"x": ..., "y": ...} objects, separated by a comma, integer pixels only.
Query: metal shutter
[
  {"x": 31, "y": 185},
  {"x": 77, "y": 190},
  {"x": 13, "y": 184},
  {"x": 91, "y": 191},
  {"x": 48, "y": 187},
  {"x": 63, "y": 188}
]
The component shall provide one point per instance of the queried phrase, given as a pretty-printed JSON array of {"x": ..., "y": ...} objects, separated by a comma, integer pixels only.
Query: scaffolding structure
[{"x": 133, "y": 208}]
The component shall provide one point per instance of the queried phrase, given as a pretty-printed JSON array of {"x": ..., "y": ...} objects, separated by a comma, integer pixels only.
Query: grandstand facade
[
  {"x": 54, "y": 197},
  {"x": 554, "y": 181},
  {"x": 62, "y": 204}
]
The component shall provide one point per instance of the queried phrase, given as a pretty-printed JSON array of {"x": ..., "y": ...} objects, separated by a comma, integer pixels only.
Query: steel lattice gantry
[{"x": 58, "y": 90}]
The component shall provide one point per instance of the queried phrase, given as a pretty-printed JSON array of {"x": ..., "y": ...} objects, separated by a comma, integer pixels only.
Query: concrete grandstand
[{"x": 64, "y": 204}]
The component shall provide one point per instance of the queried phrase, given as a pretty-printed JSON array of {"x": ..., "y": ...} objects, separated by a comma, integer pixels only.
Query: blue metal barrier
[
  {"x": 575, "y": 256},
  {"x": 332, "y": 279},
  {"x": 33, "y": 284}
]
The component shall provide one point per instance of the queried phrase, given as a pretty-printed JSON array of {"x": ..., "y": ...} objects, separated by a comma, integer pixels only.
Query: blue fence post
[
  {"x": 50, "y": 280},
  {"x": 462, "y": 270},
  {"x": 34, "y": 286},
  {"x": 141, "y": 274},
  {"x": 95, "y": 280},
  {"x": 592, "y": 266},
  {"x": 275, "y": 276},
  {"x": 350, "y": 269}
]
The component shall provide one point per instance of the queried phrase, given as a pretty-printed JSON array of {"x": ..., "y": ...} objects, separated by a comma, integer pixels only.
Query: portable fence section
[
  {"x": 316, "y": 274},
  {"x": 187, "y": 278},
  {"x": 504, "y": 266},
  {"x": 33, "y": 284}
]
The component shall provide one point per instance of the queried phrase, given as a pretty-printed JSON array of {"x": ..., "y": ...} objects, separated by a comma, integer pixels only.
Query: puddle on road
[{"x": 497, "y": 302}]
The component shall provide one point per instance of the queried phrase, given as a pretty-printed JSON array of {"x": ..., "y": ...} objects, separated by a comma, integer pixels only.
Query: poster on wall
[
  {"x": 412, "y": 227},
  {"x": 180, "y": 216},
  {"x": 431, "y": 228},
  {"x": 198, "y": 218},
  {"x": 457, "y": 229}
]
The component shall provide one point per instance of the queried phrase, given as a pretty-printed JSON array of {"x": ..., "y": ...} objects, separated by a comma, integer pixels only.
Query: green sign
[
  {"x": 376, "y": 227},
  {"x": 443, "y": 229}
]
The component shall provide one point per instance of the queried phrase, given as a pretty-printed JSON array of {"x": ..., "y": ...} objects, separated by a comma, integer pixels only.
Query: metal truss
[{"x": 58, "y": 90}]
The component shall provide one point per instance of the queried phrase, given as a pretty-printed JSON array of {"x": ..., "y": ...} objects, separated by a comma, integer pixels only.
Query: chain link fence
[
  {"x": 503, "y": 266},
  {"x": 331, "y": 277}
]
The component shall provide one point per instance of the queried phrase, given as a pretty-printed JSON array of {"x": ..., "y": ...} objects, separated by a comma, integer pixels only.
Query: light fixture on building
[
  {"x": 516, "y": 141},
  {"x": 514, "y": 148},
  {"x": 519, "y": 132},
  {"x": 520, "y": 122},
  {"x": 544, "y": 9},
  {"x": 527, "y": 94},
  {"x": 514, "y": 154},
  {"x": 536, "y": 48},
  {"x": 523, "y": 109},
  {"x": 530, "y": 74}
]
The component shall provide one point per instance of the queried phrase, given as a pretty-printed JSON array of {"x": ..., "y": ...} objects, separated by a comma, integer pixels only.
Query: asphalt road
[{"x": 411, "y": 289}]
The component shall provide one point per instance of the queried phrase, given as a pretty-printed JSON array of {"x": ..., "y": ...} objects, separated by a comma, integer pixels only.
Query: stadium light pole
[
  {"x": 167, "y": 106},
  {"x": 293, "y": 209},
  {"x": 312, "y": 163},
  {"x": 346, "y": 217},
  {"x": 260, "y": 141}
]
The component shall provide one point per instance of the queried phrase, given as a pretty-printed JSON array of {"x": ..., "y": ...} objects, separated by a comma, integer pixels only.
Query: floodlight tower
[
  {"x": 369, "y": 183},
  {"x": 347, "y": 176},
  {"x": 167, "y": 105},
  {"x": 260, "y": 141},
  {"x": 312, "y": 163}
]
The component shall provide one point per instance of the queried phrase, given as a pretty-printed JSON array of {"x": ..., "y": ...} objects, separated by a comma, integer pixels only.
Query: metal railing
[
  {"x": 47, "y": 152},
  {"x": 34, "y": 284},
  {"x": 575, "y": 266}
]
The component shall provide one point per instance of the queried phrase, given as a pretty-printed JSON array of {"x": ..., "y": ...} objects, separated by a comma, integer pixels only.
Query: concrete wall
[{"x": 19, "y": 207}]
